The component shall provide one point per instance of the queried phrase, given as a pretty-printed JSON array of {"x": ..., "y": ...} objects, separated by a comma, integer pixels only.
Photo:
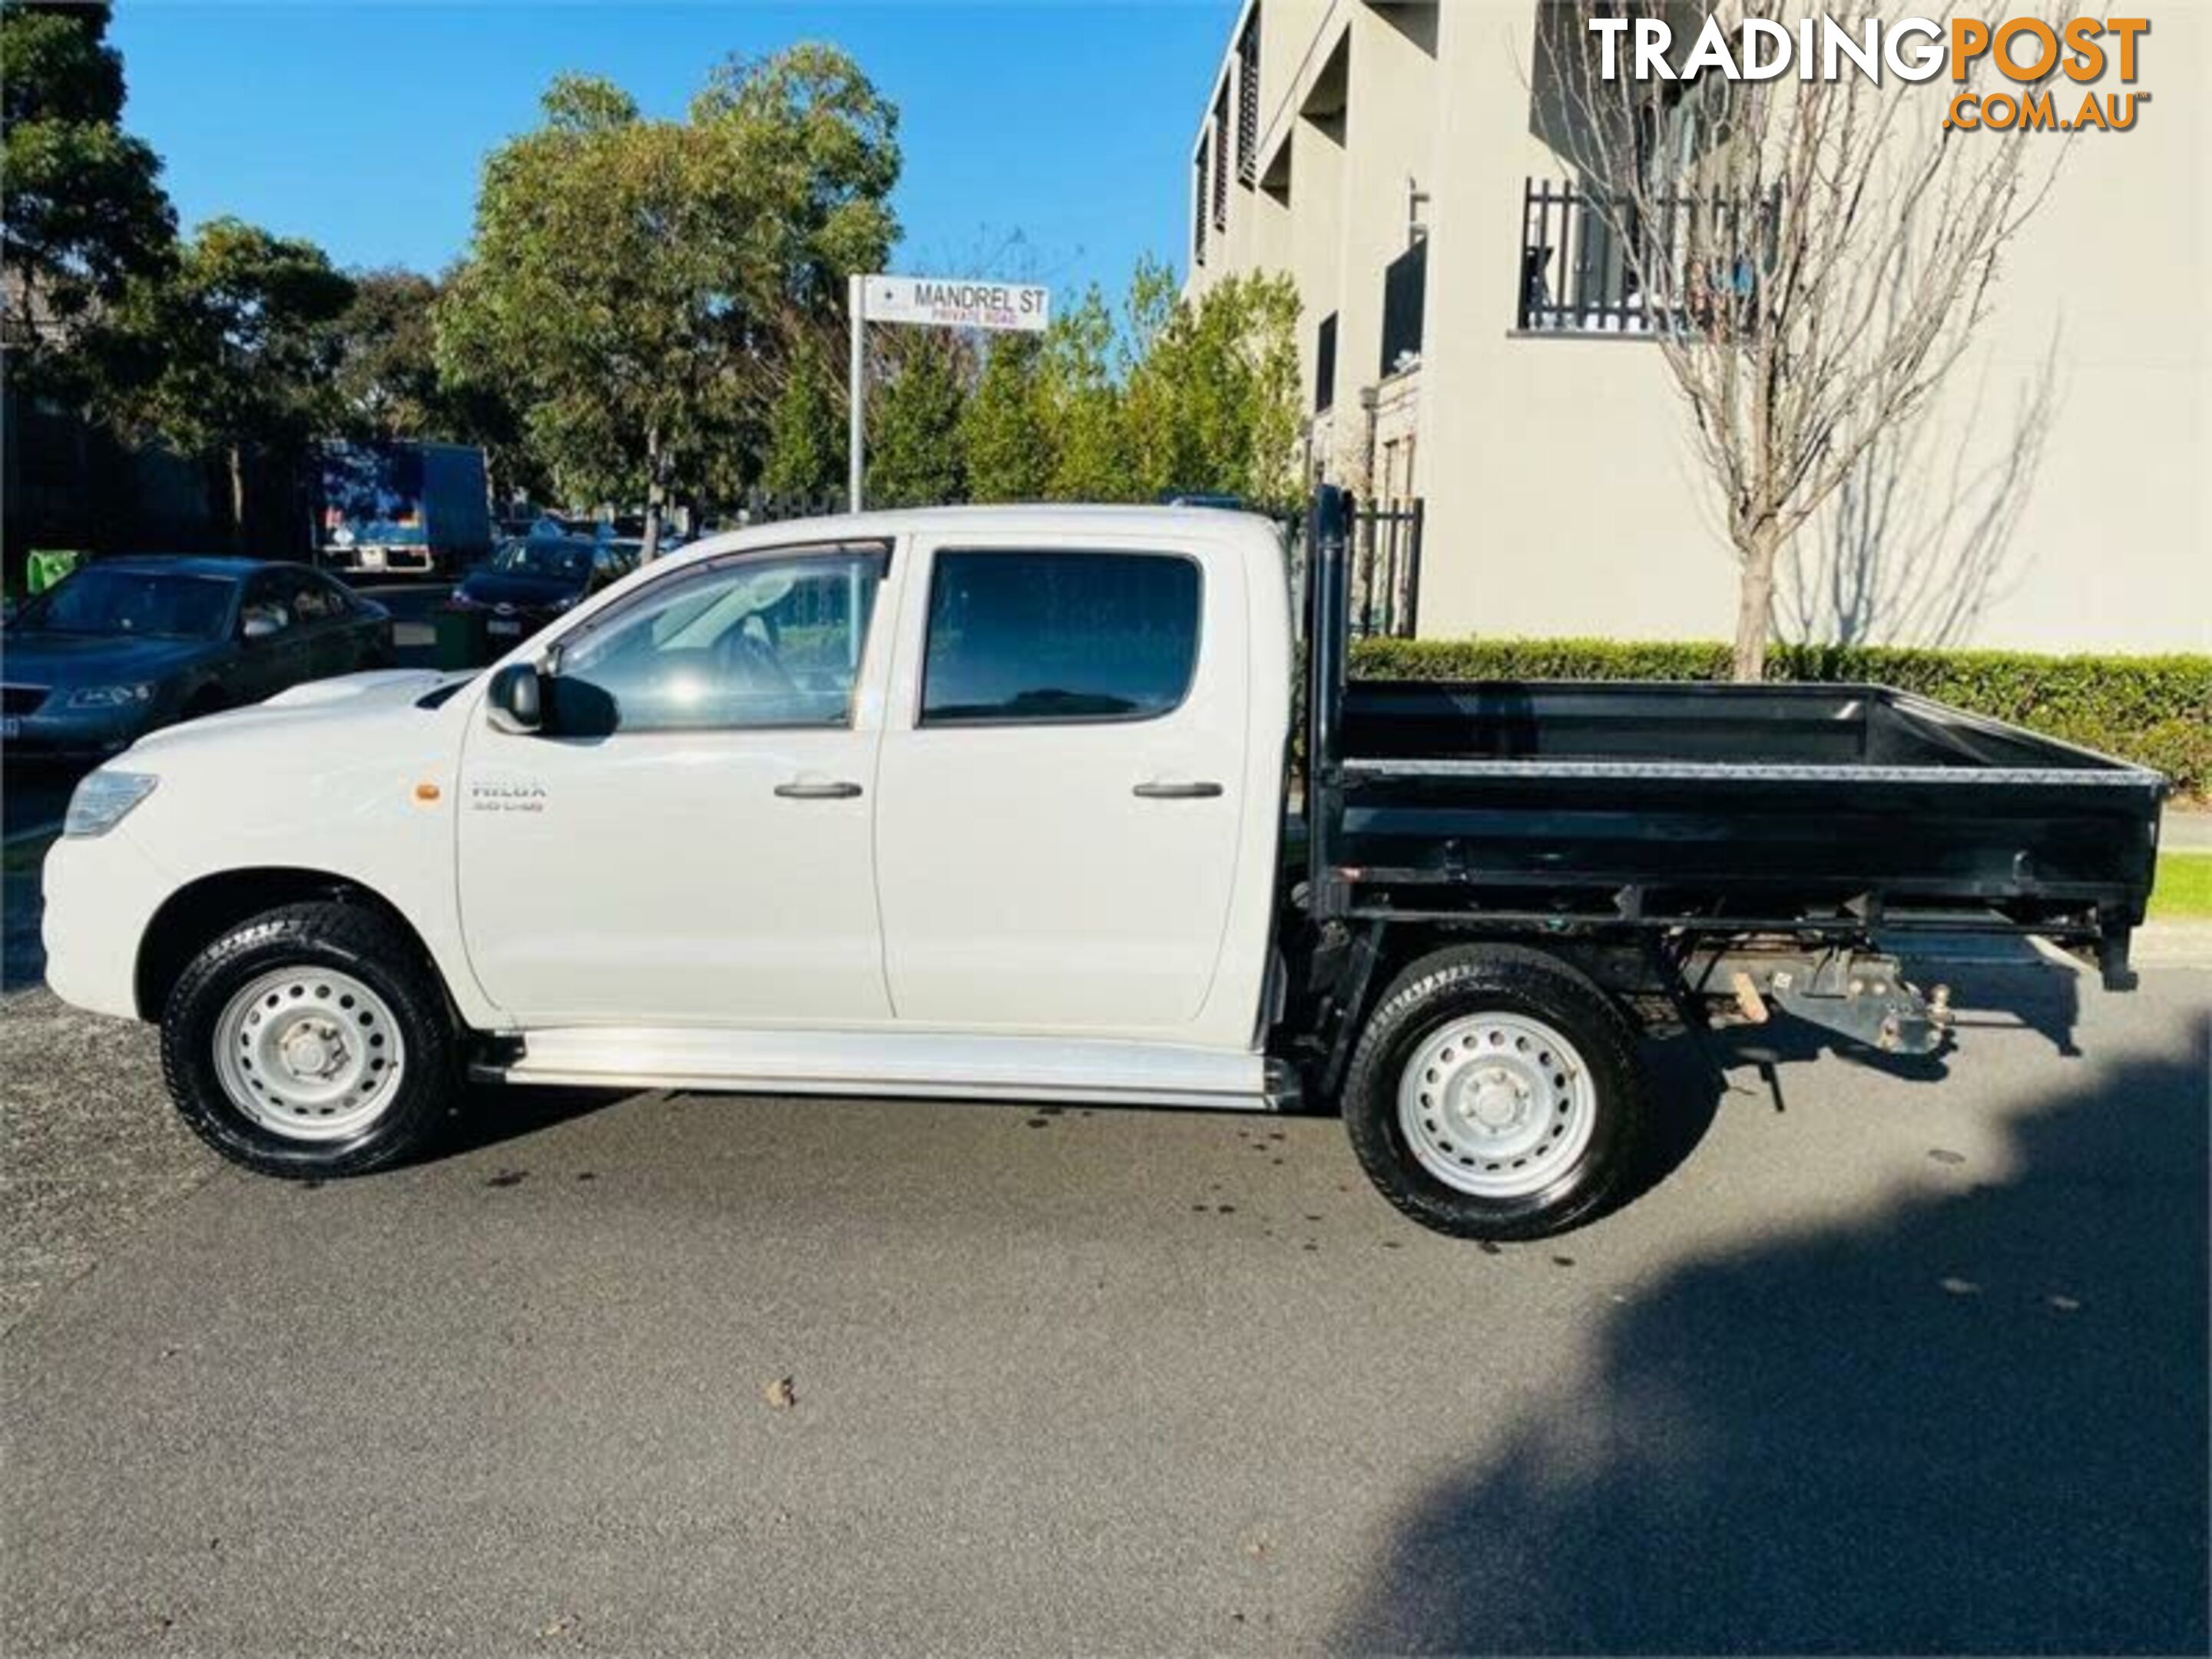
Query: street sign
[
  {"x": 945, "y": 302},
  {"x": 925, "y": 302}
]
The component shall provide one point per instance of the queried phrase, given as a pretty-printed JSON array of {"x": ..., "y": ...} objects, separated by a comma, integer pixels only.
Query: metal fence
[
  {"x": 1587, "y": 260},
  {"x": 1576, "y": 273},
  {"x": 1384, "y": 556}
]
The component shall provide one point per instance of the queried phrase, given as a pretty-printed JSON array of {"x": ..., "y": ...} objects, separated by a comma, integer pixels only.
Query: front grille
[{"x": 21, "y": 699}]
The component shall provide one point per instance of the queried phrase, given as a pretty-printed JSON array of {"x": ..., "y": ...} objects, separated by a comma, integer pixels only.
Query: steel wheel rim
[
  {"x": 309, "y": 1054},
  {"x": 1496, "y": 1105}
]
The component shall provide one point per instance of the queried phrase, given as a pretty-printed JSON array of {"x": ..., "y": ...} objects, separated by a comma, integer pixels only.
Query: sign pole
[{"x": 856, "y": 306}]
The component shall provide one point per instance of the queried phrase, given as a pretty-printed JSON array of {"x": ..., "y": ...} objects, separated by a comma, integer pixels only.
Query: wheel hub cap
[
  {"x": 309, "y": 1054},
  {"x": 312, "y": 1054},
  {"x": 1498, "y": 1105}
]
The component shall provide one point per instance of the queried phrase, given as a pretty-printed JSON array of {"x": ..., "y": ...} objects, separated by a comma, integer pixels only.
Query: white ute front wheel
[
  {"x": 310, "y": 1042},
  {"x": 310, "y": 1053}
]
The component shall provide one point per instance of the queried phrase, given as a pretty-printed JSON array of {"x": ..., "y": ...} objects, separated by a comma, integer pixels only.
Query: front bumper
[{"x": 101, "y": 892}]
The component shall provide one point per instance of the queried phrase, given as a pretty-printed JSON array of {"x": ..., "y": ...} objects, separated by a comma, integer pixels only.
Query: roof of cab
[{"x": 1043, "y": 518}]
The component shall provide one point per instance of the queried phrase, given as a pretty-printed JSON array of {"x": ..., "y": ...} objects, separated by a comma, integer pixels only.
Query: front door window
[{"x": 756, "y": 644}]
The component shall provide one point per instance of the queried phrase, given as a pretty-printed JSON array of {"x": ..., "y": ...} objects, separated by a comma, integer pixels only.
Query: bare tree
[{"x": 1811, "y": 257}]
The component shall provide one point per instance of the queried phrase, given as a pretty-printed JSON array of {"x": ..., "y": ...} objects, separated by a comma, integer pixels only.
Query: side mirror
[
  {"x": 516, "y": 699},
  {"x": 260, "y": 625}
]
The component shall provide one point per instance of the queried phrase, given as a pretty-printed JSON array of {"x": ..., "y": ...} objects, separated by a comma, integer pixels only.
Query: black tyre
[
  {"x": 311, "y": 1041},
  {"x": 1496, "y": 1093}
]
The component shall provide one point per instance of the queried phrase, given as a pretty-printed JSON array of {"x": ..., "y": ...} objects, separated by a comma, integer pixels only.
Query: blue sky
[{"x": 363, "y": 125}]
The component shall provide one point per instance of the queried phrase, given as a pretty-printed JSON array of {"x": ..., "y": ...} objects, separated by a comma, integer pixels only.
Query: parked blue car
[
  {"x": 124, "y": 645},
  {"x": 529, "y": 582}
]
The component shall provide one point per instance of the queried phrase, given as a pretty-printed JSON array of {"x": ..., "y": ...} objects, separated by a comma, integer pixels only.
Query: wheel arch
[
  {"x": 201, "y": 910},
  {"x": 1422, "y": 947},
  {"x": 1610, "y": 966}
]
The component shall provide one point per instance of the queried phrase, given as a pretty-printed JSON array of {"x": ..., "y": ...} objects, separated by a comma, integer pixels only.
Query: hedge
[{"x": 2156, "y": 710}]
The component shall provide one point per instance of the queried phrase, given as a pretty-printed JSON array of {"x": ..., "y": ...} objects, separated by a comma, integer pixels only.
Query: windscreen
[
  {"x": 559, "y": 561},
  {"x": 156, "y": 604}
]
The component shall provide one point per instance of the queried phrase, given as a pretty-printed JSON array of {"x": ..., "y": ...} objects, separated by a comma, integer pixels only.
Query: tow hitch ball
[{"x": 1863, "y": 998}]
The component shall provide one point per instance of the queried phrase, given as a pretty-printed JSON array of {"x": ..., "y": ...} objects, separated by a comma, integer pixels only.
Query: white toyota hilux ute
[{"x": 982, "y": 803}]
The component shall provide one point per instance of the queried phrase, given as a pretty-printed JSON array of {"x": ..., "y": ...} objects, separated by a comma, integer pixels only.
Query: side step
[{"x": 921, "y": 1064}]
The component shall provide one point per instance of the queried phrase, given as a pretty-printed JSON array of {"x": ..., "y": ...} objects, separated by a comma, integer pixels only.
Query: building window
[
  {"x": 1405, "y": 290},
  {"x": 1198, "y": 214},
  {"x": 1247, "y": 101},
  {"x": 1325, "y": 365},
  {"x": 1221, "y": 156}
]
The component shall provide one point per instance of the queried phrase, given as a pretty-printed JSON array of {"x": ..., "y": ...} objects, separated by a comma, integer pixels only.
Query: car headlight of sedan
[
  {"x": 103, "y": 800},
  {"x": 110, "y": 697}
]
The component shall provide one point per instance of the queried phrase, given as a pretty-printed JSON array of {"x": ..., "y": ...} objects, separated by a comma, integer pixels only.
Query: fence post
[{"x": 1414, "y": 571}]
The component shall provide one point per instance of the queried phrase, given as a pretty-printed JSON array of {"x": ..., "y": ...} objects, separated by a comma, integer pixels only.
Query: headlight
[
  {"x": 109, "y": 696},
  {"x": 103, "y": 800}
]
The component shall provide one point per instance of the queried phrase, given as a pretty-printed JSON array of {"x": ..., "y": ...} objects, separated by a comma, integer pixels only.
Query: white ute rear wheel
[
  {"x": 1496, "y": 1093},
  {"x": 1496, "y": 1104}
]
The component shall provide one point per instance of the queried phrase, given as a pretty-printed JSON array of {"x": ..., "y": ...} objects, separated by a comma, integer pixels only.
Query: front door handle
[
  {"x": 817, "y": 791},
  {"x": 1176, "y": 791}
]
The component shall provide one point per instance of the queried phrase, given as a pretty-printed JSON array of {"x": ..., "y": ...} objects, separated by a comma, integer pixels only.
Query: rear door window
[{"x": 1059, "y": 637}]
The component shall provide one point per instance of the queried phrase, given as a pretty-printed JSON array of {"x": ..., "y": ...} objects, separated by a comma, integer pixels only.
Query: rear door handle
[
  {"x": 804, "y": 791},
  {"x": 1176, "y": 791}
]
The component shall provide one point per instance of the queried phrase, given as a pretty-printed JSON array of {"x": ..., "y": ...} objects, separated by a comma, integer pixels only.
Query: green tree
[
  {"x": 1176, "y": 395},
  {"x": 84, "y": 217},
  {"x": 1081, "y": 399},
  {"x": 816, "y": 128},
  {"x": 386, "y": 377},
  {"x": 638, "y": 283},
  {"x": 913, "y": 424},
  {"x": 237, "y": 347},
  {"x": 805, "y": 455},
  {"x": 388, "y": 382},
  {"x": 1004, "y": 433},
  {"x": 1211, "y": 402}
]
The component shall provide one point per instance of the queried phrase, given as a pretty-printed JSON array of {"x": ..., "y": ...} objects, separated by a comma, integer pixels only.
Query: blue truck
[{"x": 401, "y": 508}]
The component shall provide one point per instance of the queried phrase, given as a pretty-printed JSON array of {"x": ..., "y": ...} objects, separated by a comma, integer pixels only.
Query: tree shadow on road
[{"x": 1975, "y": 1422}]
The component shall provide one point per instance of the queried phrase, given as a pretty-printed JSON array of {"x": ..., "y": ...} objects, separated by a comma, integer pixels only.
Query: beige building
[{"x": 1457, "y": 348}]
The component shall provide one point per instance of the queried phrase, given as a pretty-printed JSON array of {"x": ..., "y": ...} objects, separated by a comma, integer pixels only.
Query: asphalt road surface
[{"x": 1877, "y": 1366}]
